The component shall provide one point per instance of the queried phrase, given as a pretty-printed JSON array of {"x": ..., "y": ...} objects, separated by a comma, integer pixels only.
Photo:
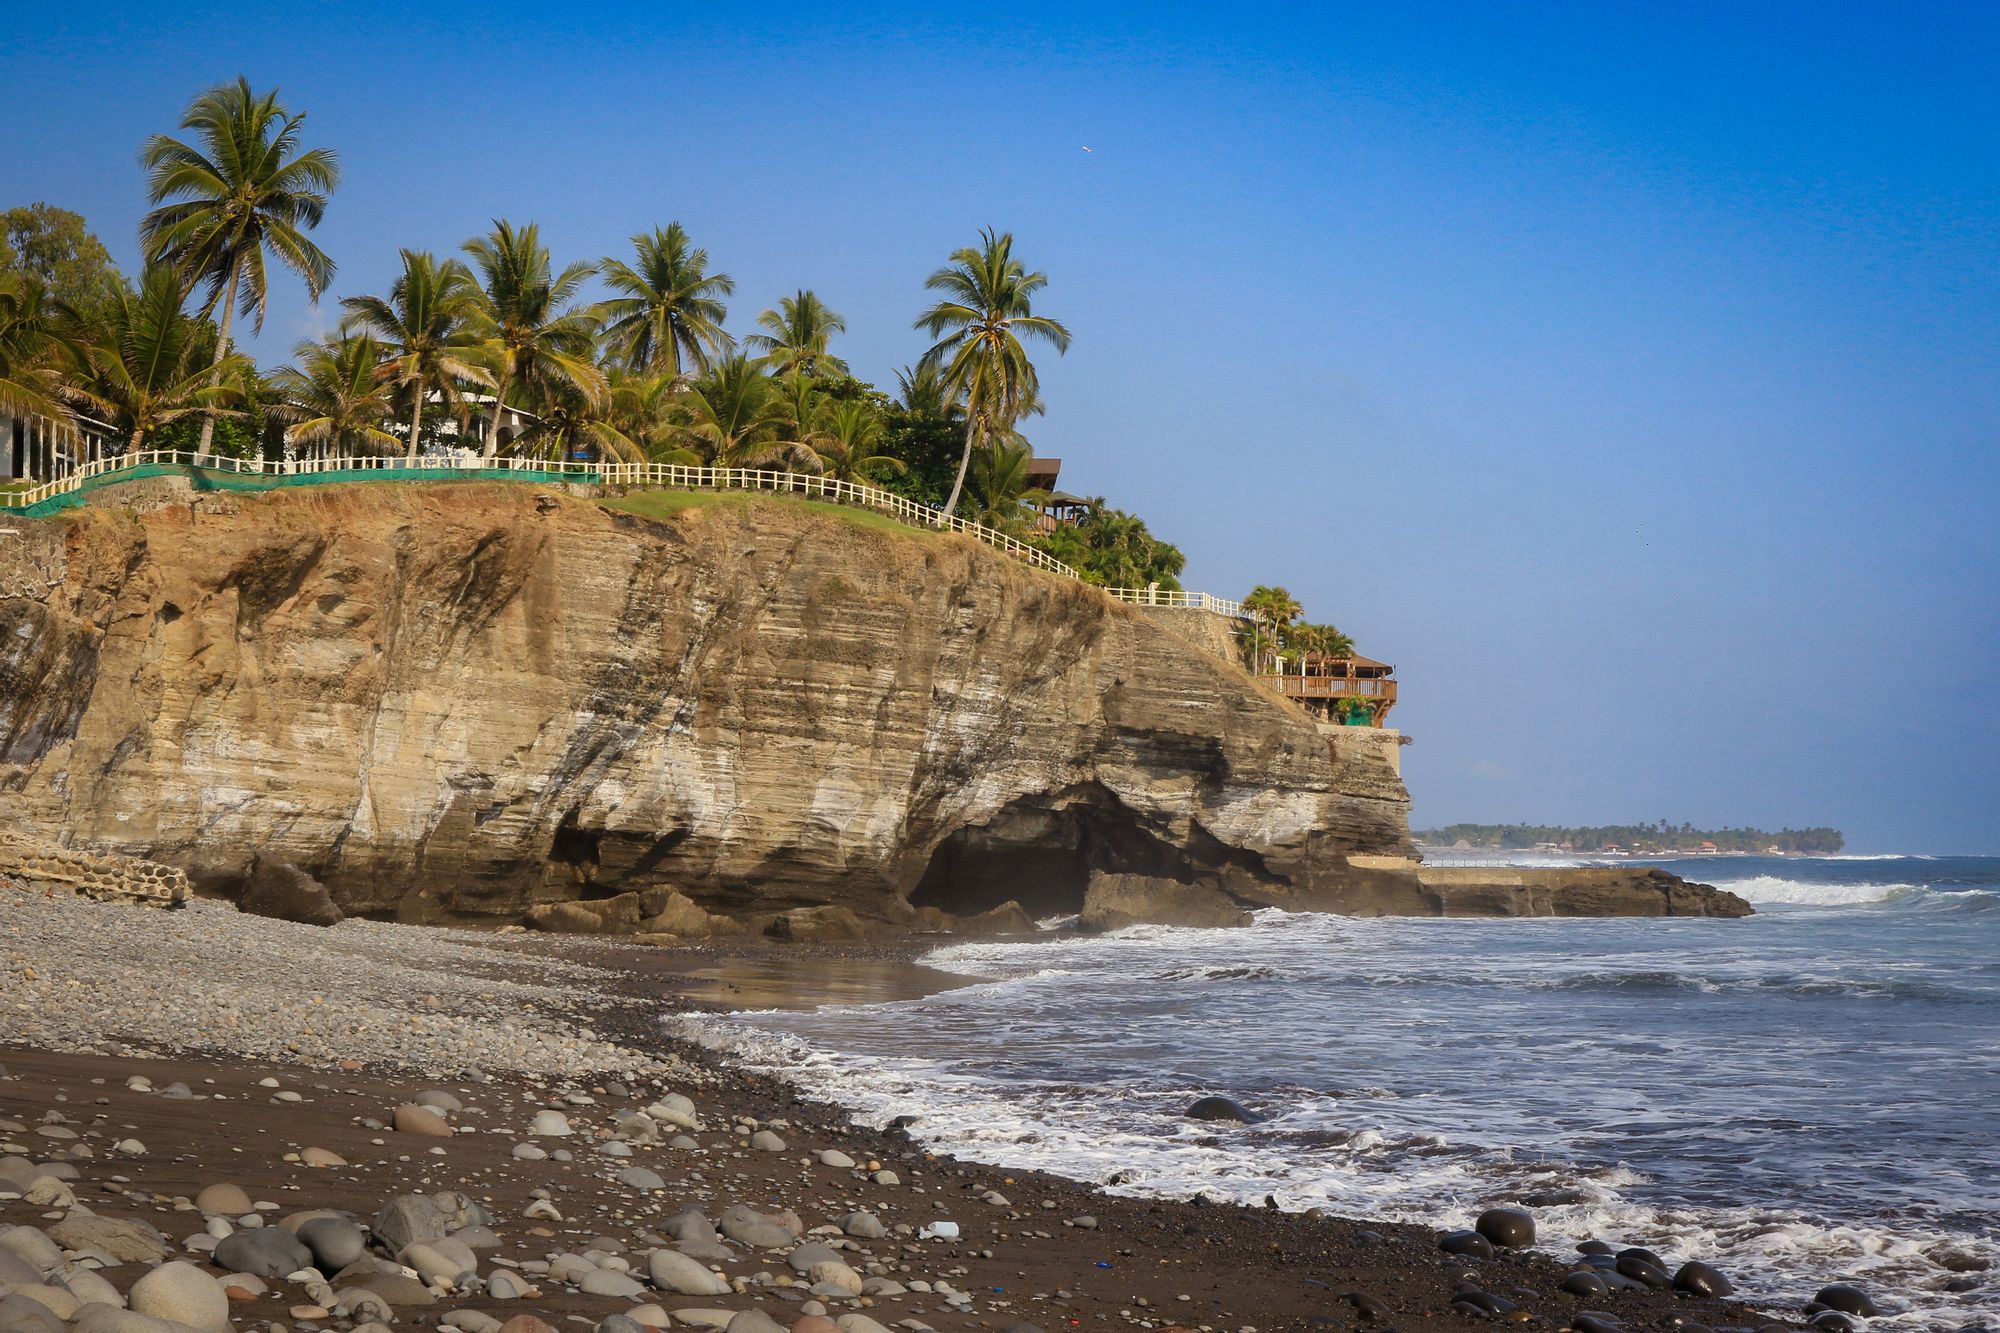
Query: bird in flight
[{"x": 1088, "y": 149}]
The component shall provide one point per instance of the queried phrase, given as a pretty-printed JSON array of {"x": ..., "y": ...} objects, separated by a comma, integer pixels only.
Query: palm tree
[
  {"x": 999, "y": 477},
  {"x": 923, "y": 392},
  {"x": 800, "y": 329},
  {"x": 426, "y": 327},
  {"x": 571, "y": 417},
  {"x": 151, "y": 365},
  {"x": 30, "y": 380},
  {"x": 986, "y": 310},
  {"x": 540, "y": 339},
  {"x": 334, "y": 397},
  {"x": 734, "y": 417},
  {"x": 1275, "y": 608},
  {"x": 850, "y": 441},
  {"x": 667, "y": 308},
  {"x": 245, "y": 189}
]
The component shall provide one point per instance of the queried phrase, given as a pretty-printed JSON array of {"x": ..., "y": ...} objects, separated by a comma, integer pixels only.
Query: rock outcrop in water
[{"x": 457, "y": 701}]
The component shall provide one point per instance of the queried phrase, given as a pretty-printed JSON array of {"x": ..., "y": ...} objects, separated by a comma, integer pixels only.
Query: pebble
[
  {"x": 550, "y": 1125},
  {"x": 1848, "y": 1300},
  {"x": 421, "y": 1120},
  {"x": 230, "y": 1200}
]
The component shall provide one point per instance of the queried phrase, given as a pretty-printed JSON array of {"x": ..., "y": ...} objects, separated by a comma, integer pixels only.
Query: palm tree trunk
[
  {"x": 964, "y": 461},
  {"x": 221, "y": 351},
  {"x": 416, "y": 421},
  {"x": 499, "y": 406}
]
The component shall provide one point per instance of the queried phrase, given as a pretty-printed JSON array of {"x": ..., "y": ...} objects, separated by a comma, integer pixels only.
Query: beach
[{"x": 293, "y": 1040}]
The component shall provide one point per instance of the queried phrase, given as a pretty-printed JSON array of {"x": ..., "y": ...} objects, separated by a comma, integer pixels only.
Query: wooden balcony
[{"x": 1321, "y": 683}]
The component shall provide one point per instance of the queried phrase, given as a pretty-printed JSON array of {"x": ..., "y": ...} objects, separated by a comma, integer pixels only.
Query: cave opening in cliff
[{"x": 1041, "y": 854}]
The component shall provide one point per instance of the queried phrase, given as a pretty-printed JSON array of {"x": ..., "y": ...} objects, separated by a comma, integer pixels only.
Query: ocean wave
[
  {"x": 1132, "y": 1142},
  {"x": 1774, "y": 891}
]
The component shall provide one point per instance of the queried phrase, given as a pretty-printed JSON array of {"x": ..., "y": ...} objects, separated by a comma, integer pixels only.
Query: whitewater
[{"x": 1800, "y": 1097}]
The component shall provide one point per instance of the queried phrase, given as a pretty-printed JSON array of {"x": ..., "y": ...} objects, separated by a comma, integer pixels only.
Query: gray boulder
[
  {"x": 334, "y": 1241},
  {"x": 265, "y": 1251},
  {"x": 410, "y": 1218}
]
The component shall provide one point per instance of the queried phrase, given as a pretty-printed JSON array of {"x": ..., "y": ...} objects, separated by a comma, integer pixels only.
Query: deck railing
[
  {"x": 1335, "y": 687},
  {"x": 670, "y": 476}
]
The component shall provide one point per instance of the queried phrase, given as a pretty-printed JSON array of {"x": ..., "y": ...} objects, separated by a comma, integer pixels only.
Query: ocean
[{"x": 1805, "y": 1096}]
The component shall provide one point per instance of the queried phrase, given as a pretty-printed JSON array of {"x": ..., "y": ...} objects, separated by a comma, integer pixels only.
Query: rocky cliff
[{"x": 457, "y": 701}]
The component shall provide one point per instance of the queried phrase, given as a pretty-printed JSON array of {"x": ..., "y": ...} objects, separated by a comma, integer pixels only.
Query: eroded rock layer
[{"x": 462, "y": 701}]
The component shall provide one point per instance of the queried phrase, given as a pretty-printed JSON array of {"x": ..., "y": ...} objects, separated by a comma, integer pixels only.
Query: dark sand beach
[{"x": 1030, "y": 1249}]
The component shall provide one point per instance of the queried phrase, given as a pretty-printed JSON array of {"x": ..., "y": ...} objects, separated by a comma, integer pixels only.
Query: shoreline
[{"x": 1023, "y": 1257}]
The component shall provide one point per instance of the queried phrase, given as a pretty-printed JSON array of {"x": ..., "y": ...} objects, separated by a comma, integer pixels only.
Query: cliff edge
[{"x": 454, "y": 701}]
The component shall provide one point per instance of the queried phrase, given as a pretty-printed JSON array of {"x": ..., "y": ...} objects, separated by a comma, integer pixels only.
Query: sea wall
[{"x": 461, "y": 700}]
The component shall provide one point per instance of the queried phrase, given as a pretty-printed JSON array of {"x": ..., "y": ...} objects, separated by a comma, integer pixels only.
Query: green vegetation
[
  {"x": 1277, "y": 632},
  {"x": 506, "y": 352},
  {"x": 1642, "y": 838}
]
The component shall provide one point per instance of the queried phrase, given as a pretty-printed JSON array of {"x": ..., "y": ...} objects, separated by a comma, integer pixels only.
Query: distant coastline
[{"x": 1660, "y": 839}]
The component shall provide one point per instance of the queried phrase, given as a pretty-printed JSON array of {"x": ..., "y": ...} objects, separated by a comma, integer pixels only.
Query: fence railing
[
  {"x": 669, "y": 476},
  {"x": 1186, "y": 601}
]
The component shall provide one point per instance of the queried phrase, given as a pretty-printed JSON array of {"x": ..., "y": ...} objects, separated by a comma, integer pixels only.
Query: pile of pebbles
[
  {"x": 1603, "y": 1270},
  {"x": 435, "y": 1257},
  {"x": 111, "y": 979}
]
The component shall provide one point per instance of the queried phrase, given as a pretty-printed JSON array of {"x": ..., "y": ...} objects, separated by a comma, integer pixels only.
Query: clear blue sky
[{"x": 1629, "y": 376}]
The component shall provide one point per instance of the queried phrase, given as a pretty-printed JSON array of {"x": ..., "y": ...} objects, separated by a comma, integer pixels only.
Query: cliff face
[{"x": 460, "y": 700}]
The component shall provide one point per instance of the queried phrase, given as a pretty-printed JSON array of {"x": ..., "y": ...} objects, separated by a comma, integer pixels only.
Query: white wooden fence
[{"x": 665, "y": 475}]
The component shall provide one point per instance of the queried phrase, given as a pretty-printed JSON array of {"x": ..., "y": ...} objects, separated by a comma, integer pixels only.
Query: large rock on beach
[
  {"x": 1509, "y": 1228},
  {"x": 1113, "y": 902},
  {"x": 265, "y": 1251},
  {"x": 675, "y": 1272},
  {"x": 279, "y": 889}
]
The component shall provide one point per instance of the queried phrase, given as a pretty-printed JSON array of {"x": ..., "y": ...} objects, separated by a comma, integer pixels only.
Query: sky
[{"x": 1628, "y": 375}]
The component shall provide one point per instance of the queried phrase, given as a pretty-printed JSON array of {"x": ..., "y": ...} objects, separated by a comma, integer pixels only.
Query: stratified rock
[
  {"x": 279, "y": 889},
  {"x": 1113, "y": 902},
  {"x": 482, "y": 702}
]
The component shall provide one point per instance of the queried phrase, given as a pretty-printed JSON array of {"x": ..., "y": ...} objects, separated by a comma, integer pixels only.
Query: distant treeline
[{"x": 1660, "y": 837}]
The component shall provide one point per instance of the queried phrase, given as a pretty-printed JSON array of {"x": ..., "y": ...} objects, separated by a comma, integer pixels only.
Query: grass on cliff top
[{"x": 666, "y": 504}]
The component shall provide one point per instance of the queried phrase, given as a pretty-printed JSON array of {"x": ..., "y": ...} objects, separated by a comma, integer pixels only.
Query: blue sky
[{"x": 1627, "y": 375}]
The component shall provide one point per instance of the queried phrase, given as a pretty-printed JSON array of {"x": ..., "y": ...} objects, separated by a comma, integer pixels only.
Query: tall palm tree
[
  {"x": 334, "y": 397},
  {"x": 667, "y": 315},
  {"x": 986, "y": 310},
  {"x": 798, "y": 333},
  {"x": 849, "y": 444},
  {"x": 241, "y": 189},
  {"x": 151, "y": 364},
  {"x": 426, "y": 327},
  {"x": 735, "y": 417},
  {"x": 541, "y": 340},
  {"x": 30, "y": 347}
]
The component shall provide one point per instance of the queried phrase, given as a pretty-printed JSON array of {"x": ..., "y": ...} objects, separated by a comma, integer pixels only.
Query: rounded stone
[
  {"x": 1698, "y": 1279},
  {"x": 421, "y": 1120},
  {"x": 835, "y": 1158},
  {"x": 604, "y": 1282},
  {"x": 439, "y": 1100},
  {"x": 182, "y": 1293},
  {"x": 676, "y": 1272},
  {"x": 1221, "y": 1108},
  {"x": 335, "y": 1242},
  {"x": 265, "y": 1251},
  {"x": 1585, "y": 1284},
  {"x": 229, "y": 1200},
  {"x": 640, "y": 1178},
  {"x": 815, "y": 1323},
  {"x": 1470, "y": 1244},
  {"x": 1509, "y": 1228},
  {"x": 550, "y": 1125},
  {"x": 1639, "y": 1270},
  {"x": 765, "y": 1141},
  {"x": 525, "y": 1323},
  {"x": 1847, "y": 1299}
]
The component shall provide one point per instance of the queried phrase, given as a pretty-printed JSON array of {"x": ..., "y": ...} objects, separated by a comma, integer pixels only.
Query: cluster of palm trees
[
  {"x": 1277, "y": 628},
  {"x": 496, "y": 349}
]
